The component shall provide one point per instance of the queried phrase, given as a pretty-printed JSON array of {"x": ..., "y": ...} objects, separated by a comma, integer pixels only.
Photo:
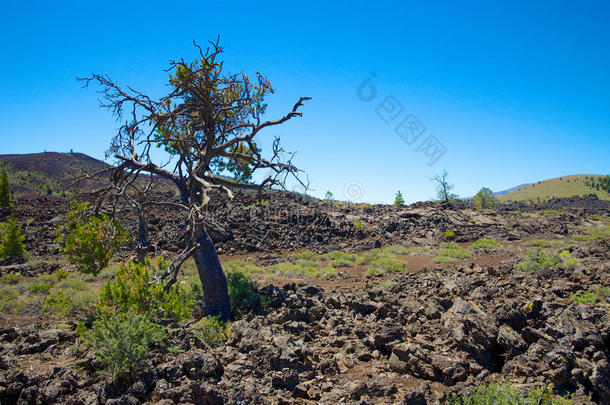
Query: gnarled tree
[{"x": 206, "y": 124}]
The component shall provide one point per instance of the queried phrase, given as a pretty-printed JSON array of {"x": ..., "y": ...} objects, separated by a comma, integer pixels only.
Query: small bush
[
  {"x": 243, "y": 292},
  {"x": 11, "y": 244},
  {"x": 449, "y": 234},
  {"x": 537, "y": 259},
  {"x": 306, "y": 255},
  {"x": 358, "y": 225},
  {"x": 506, "y": 394},
  {"x": 123, "y": 341},
  {"x": 396, "y": 250},
  {"x": 9, "y": 299},
  {"x": 451, "y": 251},
  {"x": 212, "y": 330},
  {"x": 588, "y": 297},
  {"x": 372, "y": 255},
  {"x": 90, "y": 241},
  {"x": 11, "y": 278},
  {"x": 540, "y": 243},
  {"x": 329, "y": 272},
  {"x": 133, "y": 289},
  {"x": 386, "y": 265},
  {"x": 484, "y": 243},
  {"x": 40, "y": 287}
]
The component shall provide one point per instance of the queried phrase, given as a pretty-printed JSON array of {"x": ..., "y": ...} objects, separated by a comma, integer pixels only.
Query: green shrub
[
  {"x": 451, "y": 251},
  {"x": 386, "y": 285},
  {"x": 123, "y": 341},
  {"x": 372, "y": 255},
  {"x": 358, "y": 225},
  {"x": 329, "y": 272},
  {"x": 243, "y": 292},
  {"x": 133, "y": 289},
  {"x": 484, "y": 199},
  {"x": 449, "y": 234},
  {"x": 40, "y": 287},
  {"x": 11, "y": 244},
  {"x": 603, "y": 292},
  {"x": 9, "y": 299},
  {"x": 506, "y": 394},
  {"x": 399, "y": 201},
  {"x": 396, "y": 250},
  {"x": 89, "y": 240},
  {"x": 540, "y": 243},
  {"x": 587, "y": 297},
  {"x": 307, "y": 255},
  {"x": 69, "y": 298},
  {"x": 484, "y": 243},
  {"x": 11, "y": 278},
  {"x": 239, "y": 265},
  {"x": 537, "y": 259},
  {"x": 211, "y": 329},
  {"x": 385, "y": 265}
]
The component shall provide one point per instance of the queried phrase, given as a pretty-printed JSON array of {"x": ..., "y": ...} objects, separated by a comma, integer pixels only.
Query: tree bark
[{"x": 213, "y": 280}]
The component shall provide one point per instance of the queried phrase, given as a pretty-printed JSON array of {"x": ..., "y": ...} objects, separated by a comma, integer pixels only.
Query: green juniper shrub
[
  {"x": 122, "y": 341},
  {"x": 11, "y": 244},
  {"x": 134, "y": 289},
  {"x": 243, "y": 292},
  {"x": 90, "y": 241}
]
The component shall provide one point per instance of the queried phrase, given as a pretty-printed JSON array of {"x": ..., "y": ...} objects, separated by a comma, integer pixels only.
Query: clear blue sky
[{"x": 516, "y": 92}]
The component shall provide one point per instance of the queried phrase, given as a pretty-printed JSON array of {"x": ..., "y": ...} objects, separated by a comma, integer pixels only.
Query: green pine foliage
[
  {"x": 243, "y": 292},
  {"x": 134, "y": 289},
  {"x": 11, "y": 244},
  {"x": 484, "y": 199},
  {"x": 399, "y": 201},
  {"x": 89, "y": 240}
]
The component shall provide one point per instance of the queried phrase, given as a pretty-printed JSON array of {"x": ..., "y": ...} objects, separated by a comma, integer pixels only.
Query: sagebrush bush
[
  {"x": 243, "y": 292},
  {"x": 385, "y": 265},
  {"x": 11, "y": 243},
  {"x": 90, "y": 241},
  {"x": 122, "y": 341},
  {"x": 133, "y": 289}
]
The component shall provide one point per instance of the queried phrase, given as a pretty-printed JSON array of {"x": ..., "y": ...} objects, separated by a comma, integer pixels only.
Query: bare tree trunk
[
  {"x": 213, "y": 280},
  {"x": 142, "y": 247}
]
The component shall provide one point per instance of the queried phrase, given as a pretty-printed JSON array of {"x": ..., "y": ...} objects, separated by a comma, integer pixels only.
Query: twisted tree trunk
[{"x": 213, "y": 280}]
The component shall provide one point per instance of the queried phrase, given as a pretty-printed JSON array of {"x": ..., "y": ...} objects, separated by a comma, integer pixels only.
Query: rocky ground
[{"x": 410, "y": 337}]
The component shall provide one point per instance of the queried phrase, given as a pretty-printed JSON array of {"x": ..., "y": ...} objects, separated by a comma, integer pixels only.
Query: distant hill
[
  {"x": 510, "y": 190},
  {"x": 48, "y": 172},
  {"x": 565, "y": 186}
]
